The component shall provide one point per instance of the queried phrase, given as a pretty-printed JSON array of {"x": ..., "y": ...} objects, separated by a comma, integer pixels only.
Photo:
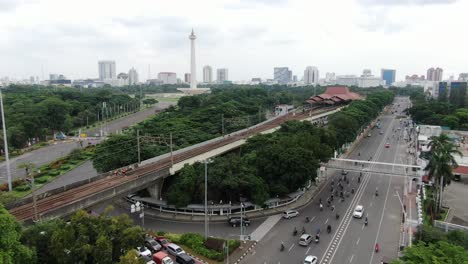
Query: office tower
[
  {"x": 282, "y": 75},
  {"x": 53, "y": 77},
  {"x": 187, "y": 77},
  {"x": 463, "y": 77},
  {"x": 294, "y": 79},
  {"x": 207, "y": 74},
  {"x": 388, "y": 76},
  {"x": 107, "y": 70},
  {"x": 434, "y": 74},
  {"x": 222, "y": 75},
  {"x": 168, "y": 77},
  {"x": 311, "y": 75},
  {"x": 122, "y": 79},
  {"x": 132, "y": 77}
]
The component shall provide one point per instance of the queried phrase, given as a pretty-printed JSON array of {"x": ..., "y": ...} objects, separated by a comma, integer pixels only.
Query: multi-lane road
[{"x": 350, "y": 240}]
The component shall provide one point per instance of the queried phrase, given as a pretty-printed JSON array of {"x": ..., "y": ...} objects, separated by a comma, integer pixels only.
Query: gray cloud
[{"x": 404, "y": 2}]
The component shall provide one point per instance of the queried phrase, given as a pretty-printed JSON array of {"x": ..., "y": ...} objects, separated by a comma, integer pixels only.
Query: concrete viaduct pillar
[{"x": 156, "y": 189}]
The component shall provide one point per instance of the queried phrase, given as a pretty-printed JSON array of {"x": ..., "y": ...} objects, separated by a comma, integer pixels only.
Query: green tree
[
  {"x": 441, "y": 164},
  {"x": 102, "y": 252},
  {"x": 11, "y": 249},
  {"x": 131, "y": 257},
  {"x": 56, "y": 112},
  {"x": 439, "y": 252}
]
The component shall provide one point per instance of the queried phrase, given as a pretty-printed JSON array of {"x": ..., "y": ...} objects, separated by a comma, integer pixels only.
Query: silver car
[{"x": 305, "y": 240}]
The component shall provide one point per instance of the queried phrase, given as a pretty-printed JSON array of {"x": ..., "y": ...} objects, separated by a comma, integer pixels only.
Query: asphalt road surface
[{"x": 47, "y": 154}]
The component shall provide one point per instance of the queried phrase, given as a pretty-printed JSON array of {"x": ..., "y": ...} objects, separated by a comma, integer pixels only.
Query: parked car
[
  {"x": 163, "y": 242},
  {"x": 305, "y": 240},
  {"x": 143, "y": 251},
  {"x": 387, "y": 145},
  {"x": 152, "y": 245},
  {"x": 174, "y": 249},
  {"x": 358, "y": 211},
  {"x": 290, "y": 213},
  {"x": 236, "y": 221},
  {"x": 162, "y": 258},
  {"x": 184, "y": 259},
  {"x": 311, "y": 260}
]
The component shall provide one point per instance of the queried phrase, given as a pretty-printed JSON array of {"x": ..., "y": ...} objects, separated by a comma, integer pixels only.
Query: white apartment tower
[
  {"x": 222, "y": 75},
  {"x": 107, "y": 70},
  {"x": 311, "y": 75},
  {"x": 132, "y": 76},
  {"x": 207, "y": 74}
]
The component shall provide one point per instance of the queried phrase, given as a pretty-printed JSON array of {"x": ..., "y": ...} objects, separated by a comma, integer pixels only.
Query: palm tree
[{"x": 441, "y": 163}]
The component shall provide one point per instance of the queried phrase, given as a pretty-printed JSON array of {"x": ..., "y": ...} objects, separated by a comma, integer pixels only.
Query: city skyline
[{"x": 122, "y": 34}]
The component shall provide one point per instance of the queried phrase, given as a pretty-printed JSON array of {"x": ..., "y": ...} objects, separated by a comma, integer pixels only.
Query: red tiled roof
[
  {"x": 335, "y": 94},
  {"x": 461, "y": 170}
]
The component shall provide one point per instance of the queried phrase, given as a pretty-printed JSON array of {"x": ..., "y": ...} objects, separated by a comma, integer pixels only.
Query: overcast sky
[{"x": 249, "y": 37}]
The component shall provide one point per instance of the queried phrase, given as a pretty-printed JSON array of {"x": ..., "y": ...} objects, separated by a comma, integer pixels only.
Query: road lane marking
[
  {"x": 363, "y": 226},
  {"x": 351, "y": 259},
  {"x": 290, "y": 247},
  {"x": 357, "y": 242},
  {"x": 307, "y": 251},
  {"x": 330, "y": 251},
  {"x": 326, "y": 222},
  {"x": 371, "y": 203},
  {"x": 312, "y": 219}
]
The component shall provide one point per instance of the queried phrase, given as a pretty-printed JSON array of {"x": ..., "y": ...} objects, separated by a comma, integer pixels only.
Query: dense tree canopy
[
  {"x": 85, "y": 239},
  {"x": 11, "y": 249},
  {"x": 268, "y": 165},
  {"x": 434, "y": 253},
  {"x": 34, "y": 112}
]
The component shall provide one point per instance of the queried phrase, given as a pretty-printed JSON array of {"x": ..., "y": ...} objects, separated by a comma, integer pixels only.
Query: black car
[
  {"x": 236, "y": 221},
  {"x": 183, "y": 258},
  {"x": 152, "y": 245}
]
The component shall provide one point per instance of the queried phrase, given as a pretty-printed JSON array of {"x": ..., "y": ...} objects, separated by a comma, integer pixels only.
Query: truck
[{"x": 162, "y": 258}]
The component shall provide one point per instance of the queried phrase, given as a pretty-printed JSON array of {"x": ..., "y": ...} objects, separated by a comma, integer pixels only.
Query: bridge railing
[{"x": 446, "y": 226}]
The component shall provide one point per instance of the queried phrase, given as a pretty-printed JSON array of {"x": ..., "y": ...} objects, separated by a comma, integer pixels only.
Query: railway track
[{"x": 26, "y": 212}]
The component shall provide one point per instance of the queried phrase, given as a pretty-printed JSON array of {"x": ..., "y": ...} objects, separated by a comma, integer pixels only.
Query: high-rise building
[
  {"x": 207, "y": 74},
  {"x": 132, "y": 76},
  {"x": 388, "y": 76},
  {"x": 463, "y": 77},
  {"x": 107, "y": 70},
  {"x": 168, "y": 77},
  {"x": 368, "y": 80},
  {"x": 330, "y": 77},
  {"x": 454, "y": 92},
  {"x": 53, "y": 77},
  {"x": 187, "y": 77},
  {"x": 222, "y": 75},
  {"x": 282, "y": 75},
  {"x": 311, "y": 75},
  {"x": 122, "y": 79},
  {"x": 434, "y": 74},
  {"x": 294, "y": 79}
]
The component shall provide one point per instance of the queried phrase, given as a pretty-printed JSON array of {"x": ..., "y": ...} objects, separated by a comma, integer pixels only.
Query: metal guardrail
[{"x": 446, "y": 226}]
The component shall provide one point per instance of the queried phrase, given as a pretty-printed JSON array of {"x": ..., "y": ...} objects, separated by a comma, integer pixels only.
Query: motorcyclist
[
  {"x": 376, "y": 192},
  {"x": 321, "y": 206},
  {"x": 282, "y": 246},
  {"x": 337, "y": 216},
  {"x": 329, "y": 228},
  {"x": 303, "y": 230},
  {"x": 307, "y": 219},
  {"x": 295, "y": 231},
  {"x": 365, "y": 221}
]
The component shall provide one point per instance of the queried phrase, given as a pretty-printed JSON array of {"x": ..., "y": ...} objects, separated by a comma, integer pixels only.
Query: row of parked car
[{"x": 157, "y": 251}]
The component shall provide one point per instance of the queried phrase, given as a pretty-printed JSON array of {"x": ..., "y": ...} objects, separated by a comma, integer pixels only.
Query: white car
[
  {"x": 305, "y": 240},
  {"x": 290, "y": 213},
  {"x": 144, "y": 251},
  {"x": 358, "y": 211},
  {"x": 174, "y": 249},
  {"x": 311, "y": 260}
]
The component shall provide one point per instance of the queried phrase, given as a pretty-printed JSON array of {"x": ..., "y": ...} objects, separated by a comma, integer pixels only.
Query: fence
[{"x": 445, "y": 226}]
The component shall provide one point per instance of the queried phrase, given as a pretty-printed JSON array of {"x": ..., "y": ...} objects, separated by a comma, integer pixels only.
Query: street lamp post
[
  {"x": 137, "y": 208},
  {"x": 5, "y": 144}
]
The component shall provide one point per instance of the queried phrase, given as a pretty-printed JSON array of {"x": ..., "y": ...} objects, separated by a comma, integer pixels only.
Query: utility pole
[
  {"x": 138, "y": 142},
  {"x": 222, "y": 124},
  {"x": 206, "y": 199},
  {"x": 170, "y": 142},
  {"x": 5, "y": 144}
]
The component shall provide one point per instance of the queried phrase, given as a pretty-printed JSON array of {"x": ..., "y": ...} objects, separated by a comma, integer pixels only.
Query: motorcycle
[
  {"x": 366, "y": 222},
  {"x": 307, "y": 219},
  {"x": 295, "y": 232},
  {"x": 329, "y": 229},
  {"x": 376, "y": 247},
  {"x": 376, "y": 193},
  {"x": 337, "y": 216},
  {"x": 282, "y": 247},
  {"x": 317, "y": 238}
]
